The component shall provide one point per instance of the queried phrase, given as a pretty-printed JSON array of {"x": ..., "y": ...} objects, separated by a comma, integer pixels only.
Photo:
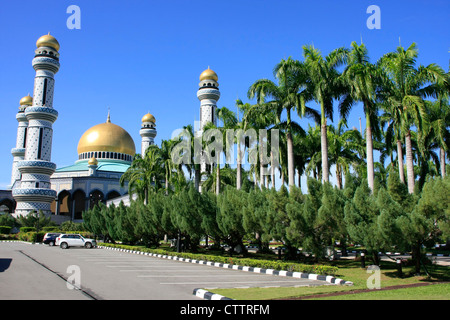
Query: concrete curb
[
  {"x": 201, "y": 293},
  {"x": 282, "y": 273}
]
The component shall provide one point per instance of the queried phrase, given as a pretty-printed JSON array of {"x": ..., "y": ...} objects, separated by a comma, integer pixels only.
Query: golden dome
[
  {"x": 92, "y": 161},
  {"x": 148, "y": 118},
  {"x": 48, "y": 41},
  {"x": 26, "y": 101},
  {"x": 106, "y": 137},
  {"x": 208, "y": 74}
]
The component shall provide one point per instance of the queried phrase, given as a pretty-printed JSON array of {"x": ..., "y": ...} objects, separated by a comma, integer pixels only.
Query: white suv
[{"x": 74, "y": 240}]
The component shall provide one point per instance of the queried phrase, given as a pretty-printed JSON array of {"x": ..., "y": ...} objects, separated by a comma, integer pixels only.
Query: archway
[
  {"x": 78, "y": 204},
  {"x": 7, "y": 205},
  {"x": 65, "y": 203},
  {"x": 95, "y": 197},
  {"x": 112, "y": 194}
]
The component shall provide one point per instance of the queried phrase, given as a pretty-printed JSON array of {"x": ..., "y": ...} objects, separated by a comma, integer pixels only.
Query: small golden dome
[
  {"x": 26, "y": 101},
  {"x": 48, "y": 41},
  {"x": 148, "y": 118},
  {"x": 92, "y": 161},
  {"x": 208, "y": 74},
  {"x": 106, "y": 137}
]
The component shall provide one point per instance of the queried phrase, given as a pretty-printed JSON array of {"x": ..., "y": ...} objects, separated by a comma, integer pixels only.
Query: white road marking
[{"x": 224, "y": 282}]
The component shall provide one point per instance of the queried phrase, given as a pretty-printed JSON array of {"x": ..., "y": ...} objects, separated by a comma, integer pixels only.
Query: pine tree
[
  {"x": 361, "y": 218},
  {"x": 230, "y": 217},
  {"x": 331, "y": 216}
]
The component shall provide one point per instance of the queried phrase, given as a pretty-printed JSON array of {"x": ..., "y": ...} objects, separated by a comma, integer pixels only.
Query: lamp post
[
  {"x": 363, "y": 259},
  {"x": 399, "y": 267}
]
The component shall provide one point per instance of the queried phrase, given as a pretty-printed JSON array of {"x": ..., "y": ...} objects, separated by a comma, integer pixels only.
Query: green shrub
[
  {"x": 51, "y": 229},
  {"x": 5, "y": 229},
  {"x": 27, "y": 229},
  {"x": 255, "y": 263},
  {"x": 32, "y": 236},
  {"x": 8, "y": 236}
]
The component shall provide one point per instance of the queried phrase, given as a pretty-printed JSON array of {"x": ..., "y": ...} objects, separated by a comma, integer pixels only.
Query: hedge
[
  {"x": 32, "y": 236},
  {"x": 255, "y": 263},
  {"x": 5, "y": 229}
]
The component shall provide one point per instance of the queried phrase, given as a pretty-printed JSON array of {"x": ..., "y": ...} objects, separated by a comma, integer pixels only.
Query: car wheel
[
  {"x": 88, "y": 245},
  {"x": 51, "y": 243},
  {"x": 64, "y": 245}
]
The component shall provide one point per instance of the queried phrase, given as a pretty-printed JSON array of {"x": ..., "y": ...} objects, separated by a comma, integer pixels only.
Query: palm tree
[
  {"x": 324, "y": 84},
  {"x": 145, "y": 173},
  {"x": 287, "y": 96},
  {"x": 439, "y": 123},
  {"x": 405, "y": 87},
  {"x": 312, "y": 149},
  {"x": 173, "y": 174},
  {"x": 193, "y": 167},
  {"x": 344, "y": 149},
  {"x": 392, "y": 116},
  {"x": 361, "y": 78},
  {"x": 242, "y": 124},
  {"x": 258, "y": 117}
]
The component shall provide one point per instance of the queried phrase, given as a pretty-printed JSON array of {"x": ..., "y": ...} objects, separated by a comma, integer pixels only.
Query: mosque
[{"x": 105, "y": 151}]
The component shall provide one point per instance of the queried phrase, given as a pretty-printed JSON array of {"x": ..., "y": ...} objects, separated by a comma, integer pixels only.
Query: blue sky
[{"x": 140, "y": 56}]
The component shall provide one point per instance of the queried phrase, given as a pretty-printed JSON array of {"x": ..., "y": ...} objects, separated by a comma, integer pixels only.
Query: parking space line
[
  {"x": 188, "y": 276},
  {"x": 225, "y": 282}
]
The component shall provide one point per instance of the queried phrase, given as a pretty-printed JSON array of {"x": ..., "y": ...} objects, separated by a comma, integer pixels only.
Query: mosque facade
[{"x": 105, "y": 151}]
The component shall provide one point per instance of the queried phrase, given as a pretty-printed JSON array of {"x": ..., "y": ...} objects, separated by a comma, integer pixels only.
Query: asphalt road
[{"x": 41, "y": 272}]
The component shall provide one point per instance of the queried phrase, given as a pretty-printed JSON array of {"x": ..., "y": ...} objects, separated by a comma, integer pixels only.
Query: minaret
[
  {"x": 147, "y": 132},
  {"x": 208, "y": 94},
  {"x": 34, "y": 192},
  {"x": 19, "y": 151}
]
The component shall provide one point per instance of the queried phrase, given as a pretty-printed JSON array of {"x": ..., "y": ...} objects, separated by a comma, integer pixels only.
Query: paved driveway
[{"x": 40, "y": 272}]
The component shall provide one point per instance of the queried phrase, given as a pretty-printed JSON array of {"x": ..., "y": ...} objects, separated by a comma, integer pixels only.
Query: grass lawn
[
  {"x": 431, "y": 292},
  {"x": 350, "y": 270}
]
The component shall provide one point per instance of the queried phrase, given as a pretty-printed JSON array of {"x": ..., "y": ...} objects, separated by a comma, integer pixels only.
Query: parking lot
[{"x": 41, "y": 272}]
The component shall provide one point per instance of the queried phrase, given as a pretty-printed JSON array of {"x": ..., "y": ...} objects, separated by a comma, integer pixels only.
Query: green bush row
[
  {"x": 32, "y": 236},
  {"x": 5, "y": 229},
  {"x": 255, "y": 263}
]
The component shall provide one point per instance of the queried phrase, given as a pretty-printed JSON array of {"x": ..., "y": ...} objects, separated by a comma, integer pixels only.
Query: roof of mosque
[{"x": 103, "y": 165}]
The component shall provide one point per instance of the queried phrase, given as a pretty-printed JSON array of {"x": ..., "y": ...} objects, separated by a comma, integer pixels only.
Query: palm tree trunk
[
  {"x": 261, "y": 176},
  {"x": 369, "y": 150},
  {"x": 197, "y": 179},
  {"x": 401, "y": 170},
  {"x": 338, "y": 177},
  {"x": 290, "y": 151},
  {"x": 167, "y": 184},
  {"x": 291, "y": 168},
  {"x": 238, "y": 168},
  {"x": 409, "y": 162},
  {"x": 272, "y": 170},
  {"x": 324, "y": 150},
  {"x": 217, "y": 178},
  {"x": 442, "y": 161}
]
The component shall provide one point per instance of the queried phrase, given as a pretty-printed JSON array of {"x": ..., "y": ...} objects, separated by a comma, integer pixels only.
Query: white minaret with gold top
[
  {"x": 19, "y": 151},
  {"x": 147, "y": 132},
  {"x": 208, "y": 94},
  {"x": 34, "y": 192}
]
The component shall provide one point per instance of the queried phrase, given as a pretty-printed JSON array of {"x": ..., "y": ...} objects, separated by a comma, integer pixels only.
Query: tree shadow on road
[{"x": 4, "y": 264}]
